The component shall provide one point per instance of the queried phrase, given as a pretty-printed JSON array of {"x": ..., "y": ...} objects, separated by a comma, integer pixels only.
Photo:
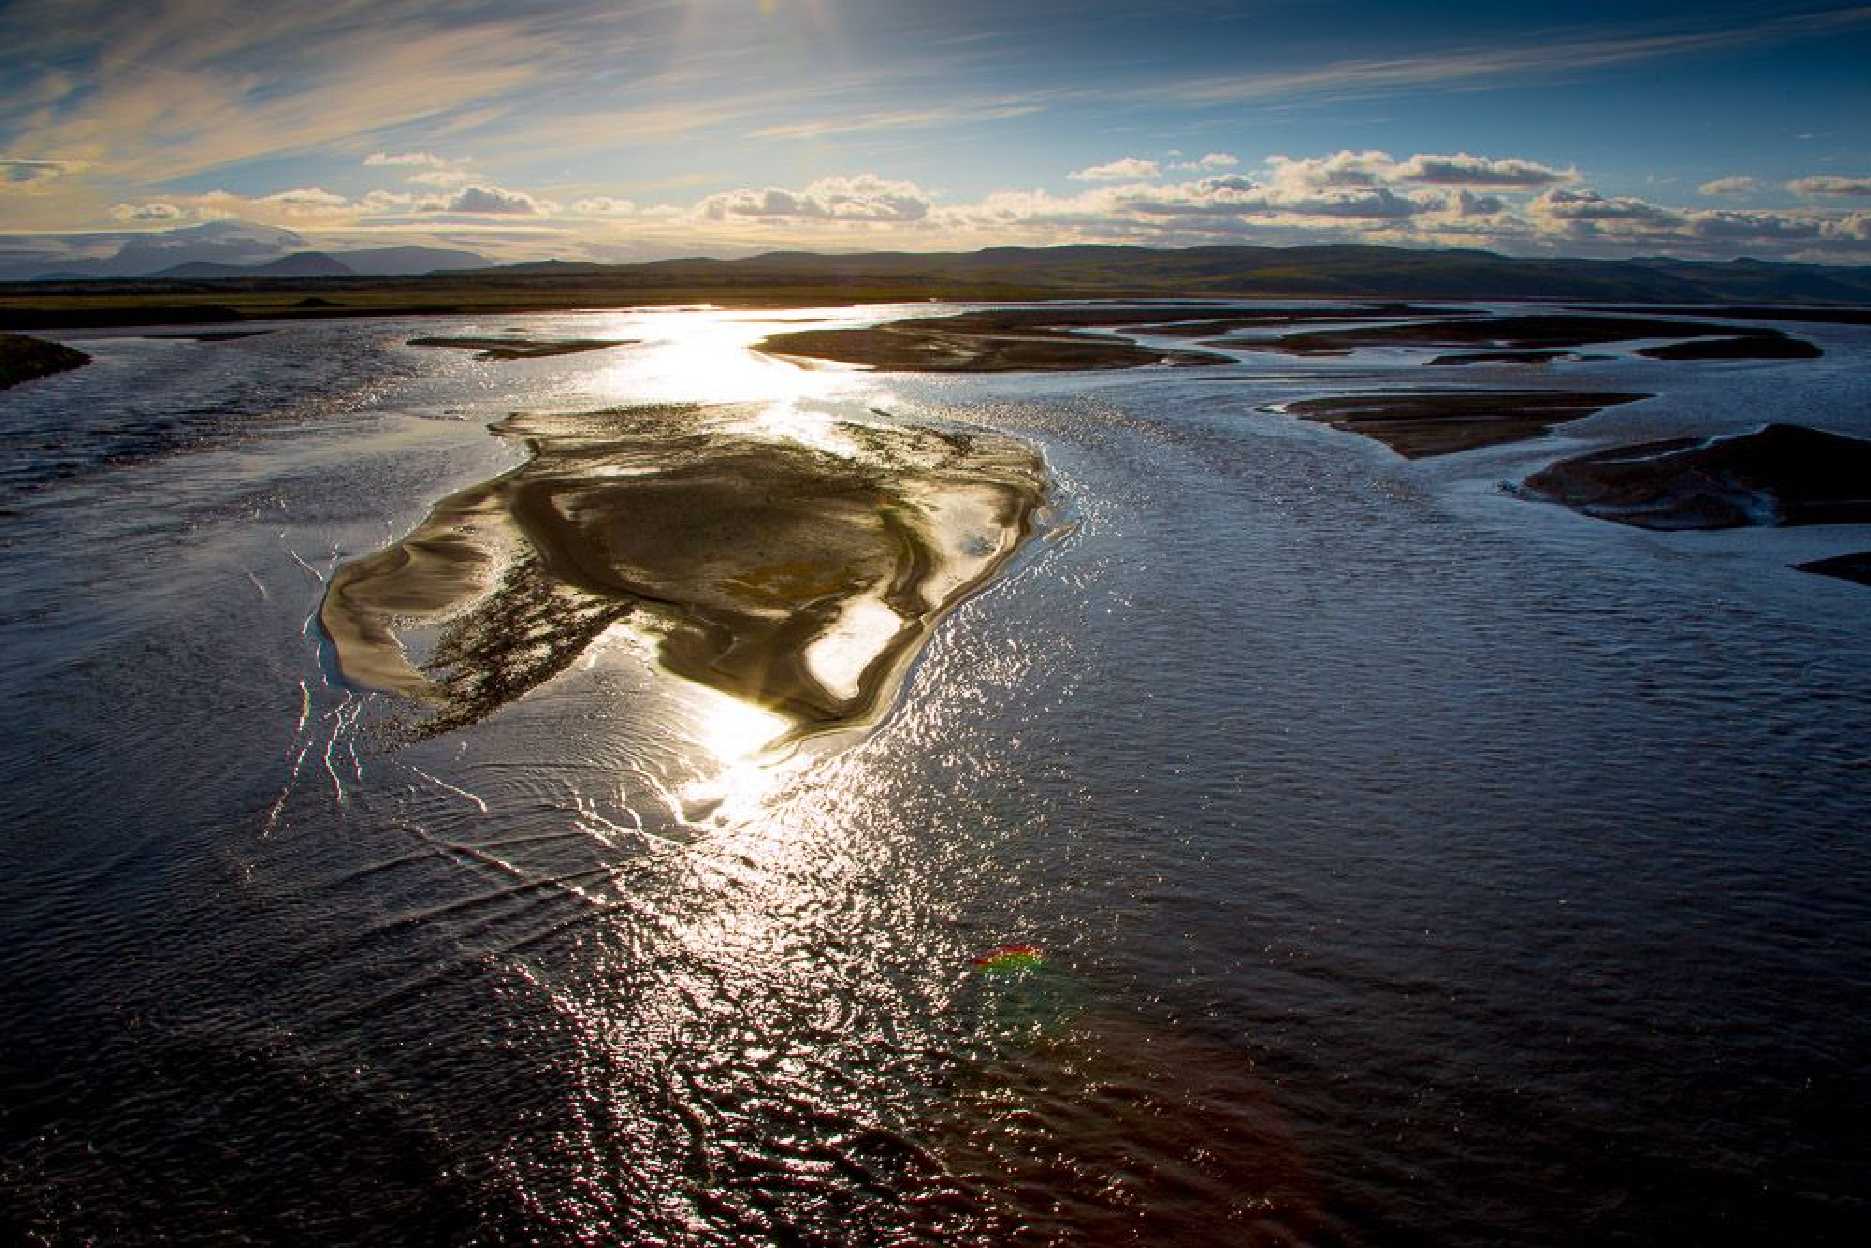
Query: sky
[{"x": 640, "y": 129}]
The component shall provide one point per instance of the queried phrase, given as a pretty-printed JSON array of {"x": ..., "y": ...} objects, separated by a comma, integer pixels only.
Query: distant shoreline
[{"x": 1743, "y": 289}]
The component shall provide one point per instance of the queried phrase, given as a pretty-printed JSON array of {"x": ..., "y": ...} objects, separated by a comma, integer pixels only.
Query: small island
[
  {"x": 1421, "y": 423},
  {"x": 1551, "y": 335},
  {"x": 790, "y": 575},
  {"x": 1778, "y": 475},
  {"x": 27, "y": 359},
  {"x": 1005, "y": 340}
]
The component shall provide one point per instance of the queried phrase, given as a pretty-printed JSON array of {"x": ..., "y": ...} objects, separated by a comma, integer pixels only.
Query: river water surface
[{"x": 1410, "y": 862}]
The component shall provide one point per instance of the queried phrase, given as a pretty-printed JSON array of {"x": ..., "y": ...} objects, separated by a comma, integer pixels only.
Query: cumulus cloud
[
  {"x": 147, "y": 212},
  {"x": 1128, "y": 169},
  {"x": 1462, "y": 169},
  {"x": 1830, "y": 184},
  {"x": 604, "y": 206},
  {"x": 498, "y": 201},
  {"x": 440, "y": 177},
  {"x": 1341, "y": 169},
  {"x": 1375, "y": 168},
  {"x": 314, "y": 197},
  {"x": 1214, "y": 160},
  {"x": 1586, "y": 205},
  {"x": 1729, "y": 225},
  {"x": 1730, "y": 186},
  {"x": 865, "y": 198}
]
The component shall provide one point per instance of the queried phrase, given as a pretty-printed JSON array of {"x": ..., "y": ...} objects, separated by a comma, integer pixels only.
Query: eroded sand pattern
[{"x": 795, "y": 564}]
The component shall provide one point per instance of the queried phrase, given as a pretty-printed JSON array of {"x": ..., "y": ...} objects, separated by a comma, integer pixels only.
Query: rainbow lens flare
[{"x": 1007, "y": 958}]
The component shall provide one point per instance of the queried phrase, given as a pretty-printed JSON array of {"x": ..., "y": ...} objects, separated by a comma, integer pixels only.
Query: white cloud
[
  {"x": 1462, "y": 169},
  {"x": 604, "y": 206},
  {"x": 865, "y": 198},
  {"x": 1130, "y": 168},
  {"x": 428, "y": 159},
  {"x": 1830, "y": 184},
  {"x": 1375, "y": 168},
  {"x": 1736, "y": 185},
  {"x": 1213, "y": 162},
  {"x": 1728, "y": 225},
  {"x": 147, "y": 212},
  {"x": 498, "y": 201},
  {"x": 1341, "y": 169},
  {"x": 1586, "y": 205}
]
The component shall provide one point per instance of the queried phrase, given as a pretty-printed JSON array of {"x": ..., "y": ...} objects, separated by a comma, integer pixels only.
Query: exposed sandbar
[
  {"x": 1204, "y": 321},
  {"x": 798, "y": 577},
  {"x": 1511, "y": 357},
  {"x": 1008, "y": 340},
  {"x": 25, "y": 359},
  {"x": 1854, "y": 567},
  {"x": 1521, "y": 333},
  {"x": 522, "y": 348},
  {"x": 225, "y": 335},
  {"x": 1420, "y": 424},
  {"x": 1761, "y": 345},
  {"x": 1782, "y": 474}
]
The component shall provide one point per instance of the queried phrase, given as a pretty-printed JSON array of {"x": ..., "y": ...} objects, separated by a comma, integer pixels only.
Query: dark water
[{"x": 1413, "y": 864}]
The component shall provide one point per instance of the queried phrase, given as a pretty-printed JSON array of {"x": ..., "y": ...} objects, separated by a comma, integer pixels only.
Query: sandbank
[
  {"x": 1419, "y": 424},
  {"x": 798, "y": 577},
  {"x": 1781, "y": 474},
  {"x": 1544, "y": 333},
  {"x": 522, "y": 348},
  {"x": 26, "y": 359}
]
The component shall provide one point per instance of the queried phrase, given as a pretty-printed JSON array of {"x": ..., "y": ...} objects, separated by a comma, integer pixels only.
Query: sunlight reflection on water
[{"x": 1385, "y": 834}]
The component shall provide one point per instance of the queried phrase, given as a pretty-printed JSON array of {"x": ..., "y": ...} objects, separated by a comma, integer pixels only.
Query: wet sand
[
  {"x": 522, "y": 348},
  {"x": 798, "y": 577},
  {"x": 211, "y": 335},
  {"x": 1005, "y": 340},
  {"x": 1764, "y": 345},
  {"x": 1782, "y": 474},
  {"x": 1542, "y": 333},
  {"x": 1420, "y": 424},
  {"x": 26, "y": 359},
  {"x": 1512, "y": 357}
]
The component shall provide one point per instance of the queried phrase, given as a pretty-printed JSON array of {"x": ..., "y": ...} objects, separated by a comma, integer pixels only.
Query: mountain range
[
  {"x": 261, "y": 259},
  {"x": 221, "y": 249},
  {"x": 1354, "y": 270}
]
